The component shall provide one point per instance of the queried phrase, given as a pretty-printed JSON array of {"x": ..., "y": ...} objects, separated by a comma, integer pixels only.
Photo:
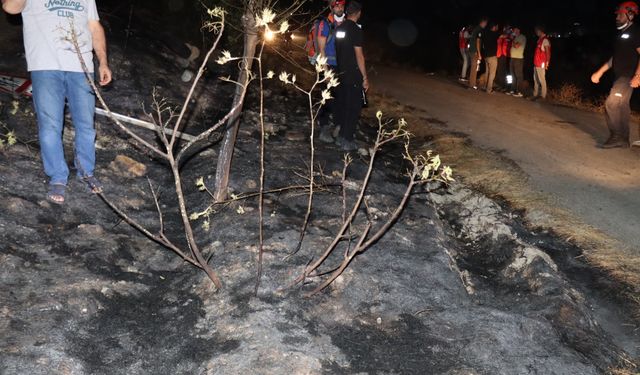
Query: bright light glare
[
  {"x": 509, "y": 79},
  {"x": 269, "y": 35}
]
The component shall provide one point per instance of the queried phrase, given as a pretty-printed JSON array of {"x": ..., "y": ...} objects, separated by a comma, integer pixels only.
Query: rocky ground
[{"x": 458, "y": 286}]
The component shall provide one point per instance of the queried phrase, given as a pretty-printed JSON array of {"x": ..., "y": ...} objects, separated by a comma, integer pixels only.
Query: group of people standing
[
  {"x": 484, "y": 41},
  {"x": 503, "y": 54},
  {"x": 340, "y": 40}
]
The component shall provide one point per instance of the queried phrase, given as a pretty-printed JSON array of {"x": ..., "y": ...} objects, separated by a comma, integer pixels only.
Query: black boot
[{"x": 615, "y": 141}]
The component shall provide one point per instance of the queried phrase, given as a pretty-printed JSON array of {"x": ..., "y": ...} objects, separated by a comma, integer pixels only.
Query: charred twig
[
  {"x": 423, "y": 169},
  {"x": 323, "y": 75},
  {"x": 195, "y": 256},
  {"x": 262, "y": 172}
]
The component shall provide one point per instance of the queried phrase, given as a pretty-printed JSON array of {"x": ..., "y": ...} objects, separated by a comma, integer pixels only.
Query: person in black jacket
[
  {"x": 352, "y": 74},
  {"x": 626, "y": 67}
]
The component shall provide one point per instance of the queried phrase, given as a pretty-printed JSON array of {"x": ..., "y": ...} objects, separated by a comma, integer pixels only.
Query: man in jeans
[
  {"x": 352, "y": 73},
  {"x": 541, "y": 60},
  {"x": 327, "y": 45},
  {"x": 517, "y": 61},
  {"x": 626, "y": 68},
  {"x": 463, "y": 44},
  {"x": 57, "y": 76},
  {"x": 475, "y": 51},
  {"x": 490, "y": 49}
]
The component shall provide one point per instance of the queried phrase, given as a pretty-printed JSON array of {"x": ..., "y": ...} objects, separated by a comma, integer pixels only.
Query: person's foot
[
  {"x": 518, "y": 95},
  {"x": 56, "y": 193},
  {"x": 615, "y": 142},
  {"x": 509, "y": 93},
  {"x": 635, "y": 144},
  {"x": 346, "y": 145},
  {"x": 93, "y": 185},
  {"x": 462, "y": 79},
  {"x": 325, "y": 135}
]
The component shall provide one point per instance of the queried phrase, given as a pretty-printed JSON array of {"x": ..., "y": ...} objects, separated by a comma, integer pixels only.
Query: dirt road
[{"x": 554, "y": 145}]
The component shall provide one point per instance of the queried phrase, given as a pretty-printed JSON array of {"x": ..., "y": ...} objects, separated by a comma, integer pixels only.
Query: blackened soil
[{"x": 81, "y": 292}]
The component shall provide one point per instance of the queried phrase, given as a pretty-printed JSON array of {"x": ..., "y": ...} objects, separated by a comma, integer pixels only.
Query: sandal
[
  {"x": 93, "y": 185},
  {"x": 56, "y": 193}
]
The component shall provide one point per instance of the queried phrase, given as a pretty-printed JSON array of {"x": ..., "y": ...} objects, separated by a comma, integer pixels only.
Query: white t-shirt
[{"x": 47, "y": 26}]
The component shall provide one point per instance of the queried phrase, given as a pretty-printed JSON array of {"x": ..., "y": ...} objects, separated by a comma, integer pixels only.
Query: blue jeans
[
  {"x": 50, "y": 90},
  {"x": 617, "y": 108}
]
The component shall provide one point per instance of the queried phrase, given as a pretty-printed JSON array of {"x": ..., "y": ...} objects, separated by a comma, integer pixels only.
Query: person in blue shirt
[{"x": 327, "y": 46}]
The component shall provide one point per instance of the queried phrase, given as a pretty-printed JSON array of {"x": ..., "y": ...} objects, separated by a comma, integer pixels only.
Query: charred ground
[{"x": 459, "y": 285}]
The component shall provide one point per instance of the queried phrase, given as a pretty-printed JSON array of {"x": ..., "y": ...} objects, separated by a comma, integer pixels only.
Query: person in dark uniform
[
  {"x": 352, "y": 74},
  {"x": 627, "y": 72}
]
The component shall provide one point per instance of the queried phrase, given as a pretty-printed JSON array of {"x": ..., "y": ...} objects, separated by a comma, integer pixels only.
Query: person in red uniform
[
  {"x": 626, "y": 67},
  {"x": 504, "y": 53},
  {"x": 463, "y": 44},
  {"x": 541, "y": 61}
]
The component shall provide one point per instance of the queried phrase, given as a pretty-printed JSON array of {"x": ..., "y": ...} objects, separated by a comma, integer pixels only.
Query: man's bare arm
[
  {"x": 635, "y": 81},
  {"x": 595, "y": 78},
  {"x": 13, "y": 6},
  {"x": 322, "y": 44},
  {"x": 362, "y": 66},
  {"x": 100, "y": 49}
]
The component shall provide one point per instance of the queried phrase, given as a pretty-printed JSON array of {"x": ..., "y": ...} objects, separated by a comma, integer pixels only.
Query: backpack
[{"x": 312, "y": 47}]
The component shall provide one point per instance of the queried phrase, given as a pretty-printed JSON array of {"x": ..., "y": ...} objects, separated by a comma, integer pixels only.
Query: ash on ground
[{"x": 457, "y": 286}]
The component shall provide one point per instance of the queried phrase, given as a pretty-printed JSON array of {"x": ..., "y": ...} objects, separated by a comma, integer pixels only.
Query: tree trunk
[{"x": 223, "y": 169}]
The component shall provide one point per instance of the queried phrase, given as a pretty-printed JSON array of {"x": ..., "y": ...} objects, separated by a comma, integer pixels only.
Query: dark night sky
[
  {"x": 432, "y": 44},
  {"x": 452, "y": 13}
]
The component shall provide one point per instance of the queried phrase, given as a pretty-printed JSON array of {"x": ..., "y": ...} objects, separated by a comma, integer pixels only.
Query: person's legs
[
  {"x": 48, "y": 100},
  {"x": 82, "y": 102},
  {"x": 473, "y": 75},
  {"x": 514, "y": 81},
  {"x": 465, "y": 62},
  {"x": 536, "y": 81},
  {"x": 518, "y": 74},
  {"x": 353, "y": 107},
  {"x": 501, "y": 72},
  {"x": 492, "y": 65},
  {"x": 617, "y": 109},
  {"x": 542, "y": 77}
]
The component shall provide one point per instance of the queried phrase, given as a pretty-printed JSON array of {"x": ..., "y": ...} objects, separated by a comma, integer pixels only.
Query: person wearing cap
[
  {"x": 541, "y": 61},
  {"x": 626, "y": 68},
  {"x": 352, "y": 73},
  {"x": 58, "y": 77},
  {"x": 327, "y": 46}
]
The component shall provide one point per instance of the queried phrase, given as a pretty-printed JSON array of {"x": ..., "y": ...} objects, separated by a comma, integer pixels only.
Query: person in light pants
[
  {"x": 541, "y": 60},
  {"x": 463, "y": 43},
  {"x": 475, "y": 51}
]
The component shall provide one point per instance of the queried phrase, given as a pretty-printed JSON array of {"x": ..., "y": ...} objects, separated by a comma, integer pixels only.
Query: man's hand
[
  {"x": 13, "y": 6},
  {"x": 104, "y": 74},
  {"x": 635, "y": 82},
  {"x": 365, "y": 84},
  {"x": 595, "y": 77}
]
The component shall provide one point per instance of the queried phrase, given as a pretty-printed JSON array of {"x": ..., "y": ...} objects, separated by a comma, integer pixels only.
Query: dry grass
[
  {"x": 497, "y": 176},
  {"x": 572, "y": 96},
  {"x": 632, "y": 370}
]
